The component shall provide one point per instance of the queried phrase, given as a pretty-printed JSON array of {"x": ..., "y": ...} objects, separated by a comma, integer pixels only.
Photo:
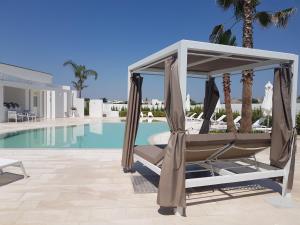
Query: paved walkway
[{"x": 82, "y": 187}]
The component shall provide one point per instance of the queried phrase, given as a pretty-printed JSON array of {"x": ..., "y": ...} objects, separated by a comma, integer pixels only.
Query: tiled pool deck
[{"x": 88, "y": 187}]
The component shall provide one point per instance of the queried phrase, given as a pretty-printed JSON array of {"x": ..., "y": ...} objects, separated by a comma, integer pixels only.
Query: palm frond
[
  {"x": 216, "y": 33},
  {"x": 228, "y": 38},
  {"x": 225, "y": 4},
  {"x": 91, "y": 73},
  {"x": 219, "y": 36},
  {"x": 232, "y": 41},
  {"x": 263, "y": 18},
  {"x": 73, "y": 65},
  {"x": 76, "y": 85},
  {"x": 281, "y": 18}
]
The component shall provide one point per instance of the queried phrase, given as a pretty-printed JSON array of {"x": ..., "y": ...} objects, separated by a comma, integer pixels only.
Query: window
[{"x": 35, "y": 101}]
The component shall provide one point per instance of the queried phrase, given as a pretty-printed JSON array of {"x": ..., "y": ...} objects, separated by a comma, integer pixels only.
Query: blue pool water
[{"x": 96, "y": 135}]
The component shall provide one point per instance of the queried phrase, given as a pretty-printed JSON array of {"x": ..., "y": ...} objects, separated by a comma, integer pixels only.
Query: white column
[
  {"x": 48, "y": 104},
  {"x": 182, "y": 70},
  {"x": 65, "y": 104},
  {"x": 41, "y": 104},
  {"x": 27, "y": 101},
  {"x": 294, "y": 90},
  {"x": 53, "y": 115},
  {"x": 2, "y": 113}
]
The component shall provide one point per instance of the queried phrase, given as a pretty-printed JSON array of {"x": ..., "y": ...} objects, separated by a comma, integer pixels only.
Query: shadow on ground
[
  {"x": 146, "y": 181},
  {"x": 7, "y": 178}
]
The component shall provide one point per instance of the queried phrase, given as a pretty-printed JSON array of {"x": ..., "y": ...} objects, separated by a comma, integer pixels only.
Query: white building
[{"x": 34, "y": 91}]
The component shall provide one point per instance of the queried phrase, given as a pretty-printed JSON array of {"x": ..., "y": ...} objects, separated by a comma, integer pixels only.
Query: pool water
[{"x": 96, "y": 135}]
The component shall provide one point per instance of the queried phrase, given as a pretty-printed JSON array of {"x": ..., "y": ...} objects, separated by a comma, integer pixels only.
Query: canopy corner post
[
  {"x": 182, "y": 71},
  {"x": 294, "y": 89},
  {"x": 128, "y": 83}
]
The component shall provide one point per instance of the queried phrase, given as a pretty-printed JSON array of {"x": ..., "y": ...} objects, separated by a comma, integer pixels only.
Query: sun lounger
[
  {"x": 257, "y": 126},
  {"x": 150, "y": 115},
  {"x": 4, "y": 163},
  {"x": 246, "y": 146},
  {"x": 219, "y": 120},
  {"x": 198, "y": 147},
  {"x": 191, "y": 117},
  {"x": 199, "y": 117},
  {"x": 209, "y": 151},
  {"x": 209, "y": 147},
  {"x": 237, "y": 119},
  {"x": 142, "y": 115}
]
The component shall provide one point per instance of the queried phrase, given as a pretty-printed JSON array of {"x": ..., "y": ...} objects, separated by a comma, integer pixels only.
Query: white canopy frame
[
  {"x": 204, "y": 60},
  {"x": 200, "y": 59}
]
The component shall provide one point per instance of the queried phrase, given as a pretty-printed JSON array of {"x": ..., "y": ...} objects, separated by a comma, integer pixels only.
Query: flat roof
[
  {"x": 212, "y": 59},
  {"x": 26, "y": 68}
]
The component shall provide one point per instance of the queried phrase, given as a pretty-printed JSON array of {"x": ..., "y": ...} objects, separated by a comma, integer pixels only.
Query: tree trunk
[
  {"x": 227, "y": 99},
  {"x": 247, "y": 79},
  {"x": 79, "y": 93}
]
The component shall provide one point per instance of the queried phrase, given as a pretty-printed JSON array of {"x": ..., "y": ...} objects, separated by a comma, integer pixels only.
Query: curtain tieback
[{"x": 177, "y": 131}]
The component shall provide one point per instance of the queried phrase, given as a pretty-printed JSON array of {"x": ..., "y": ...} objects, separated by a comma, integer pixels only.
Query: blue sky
[{"x": 110, "y": 35}]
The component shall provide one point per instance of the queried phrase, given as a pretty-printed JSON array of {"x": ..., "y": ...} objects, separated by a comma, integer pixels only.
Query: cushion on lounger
[
  {"x": 254, "y": 140},
  {"x": 209, "y": 139},
  {"x": 151, "y": 153},
  {"x": 247, "y": 145},
  {"x": 200, "y": 147}
]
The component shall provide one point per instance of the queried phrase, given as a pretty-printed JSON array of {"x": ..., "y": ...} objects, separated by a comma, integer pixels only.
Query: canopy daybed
[{"x": 205, "y": 60}]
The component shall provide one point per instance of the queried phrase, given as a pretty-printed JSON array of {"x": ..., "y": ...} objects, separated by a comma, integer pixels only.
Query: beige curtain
[
  {"x": 210, "y": 101},
  {"x": 132, "y": 120},
  {"x": 283, "y": 145},
  {"x": 171, "y": 191}
]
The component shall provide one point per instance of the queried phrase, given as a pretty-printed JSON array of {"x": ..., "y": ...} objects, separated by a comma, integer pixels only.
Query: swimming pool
[{"x": 94, "y": 135}]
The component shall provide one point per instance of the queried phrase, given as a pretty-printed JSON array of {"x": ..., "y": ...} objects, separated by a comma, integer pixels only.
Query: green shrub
[
  {"x": 298, "y": 123},
  {"x": 256, "y": 114},
  {"x": 235, "y": 114},
  {"x": 146, "y": 109},
  {"x": 265, "y": 123},
  {"x": 220, "y": 113},
  {"x": 159, "y": 113},
  {"x": 87, "y": 107},
  {"x": 196, "y": 109},
  {"x": 123, "y": 113}
]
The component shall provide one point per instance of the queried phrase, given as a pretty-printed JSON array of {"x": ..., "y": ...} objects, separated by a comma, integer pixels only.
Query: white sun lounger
[
  {"x": 191, "y": 117},
  {"x": 11, "y": 162},
  {"x": 150, "y": 115},
  {"x": 237, "y": 119},
  {"x": 199, "y": 118}
]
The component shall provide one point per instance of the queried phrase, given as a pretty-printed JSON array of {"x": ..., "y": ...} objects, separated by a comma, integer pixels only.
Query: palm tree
[
  {"x": 245, "y": 11},
  {"x": 220, "y": 36},
  {"x": 81, "y": 74}
]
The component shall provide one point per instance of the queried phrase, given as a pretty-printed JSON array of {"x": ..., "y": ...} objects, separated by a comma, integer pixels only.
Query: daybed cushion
[
  {"x": 152, "y": 153},
  {"x": 200, "y": 147},
  {"x": 250, "y": 141}
]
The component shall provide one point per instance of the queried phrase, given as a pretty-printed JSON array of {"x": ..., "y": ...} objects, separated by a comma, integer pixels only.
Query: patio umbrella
[
  {"x": 188, "y": 103},
  {"x": 267, "y": 103},
  {"x": 210, "y": 101}
]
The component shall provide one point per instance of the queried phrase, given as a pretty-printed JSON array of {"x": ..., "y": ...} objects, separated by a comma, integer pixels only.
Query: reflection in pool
[{"x": 95, "y": 135}]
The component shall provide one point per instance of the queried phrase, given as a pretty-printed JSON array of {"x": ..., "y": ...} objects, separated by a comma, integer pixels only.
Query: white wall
[
  {"x": 2, "y": 113},
  {"x": 78, "y": 103},
  {"x": 96, "y": 108},
  {"x": 59, "y": 104},
  {"x": 52, "y": 104}
]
